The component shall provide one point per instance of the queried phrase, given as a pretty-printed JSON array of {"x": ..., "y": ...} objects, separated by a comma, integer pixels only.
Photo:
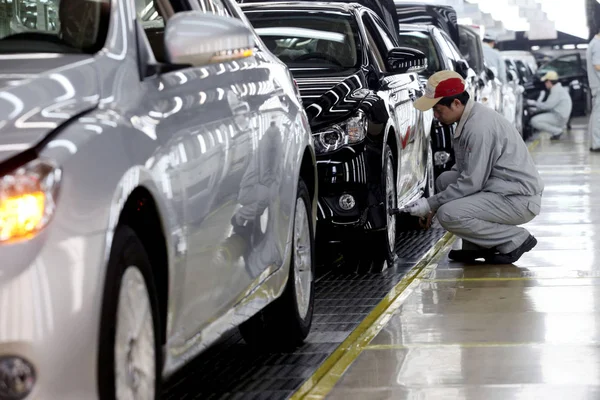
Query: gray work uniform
[
  {"x": 593, "y": 58},
  {"x": 557, "y": 111},
  {"x": 494, "y": 185},
  {"x": 493, "y": 58}
]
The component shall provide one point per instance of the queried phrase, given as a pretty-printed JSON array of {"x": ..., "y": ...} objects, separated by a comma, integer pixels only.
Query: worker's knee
[
  {"x": 536, "y": 121},
  {"x": 444, "y": 216},
  {"x": 446, "y": 179}
]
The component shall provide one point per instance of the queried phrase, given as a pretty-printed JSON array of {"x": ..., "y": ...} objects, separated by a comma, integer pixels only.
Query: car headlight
[
  {"x": 28, "y": 199},
  {"x": 351, "y": 131}
]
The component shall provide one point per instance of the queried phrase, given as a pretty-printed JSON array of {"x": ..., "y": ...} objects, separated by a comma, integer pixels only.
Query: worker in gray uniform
[
  {"x": 556, "y": 110},
  {"x": 593, "y": 73},
  {"x": 494, "y": 185},
  {"x": 493, "y": 58}
]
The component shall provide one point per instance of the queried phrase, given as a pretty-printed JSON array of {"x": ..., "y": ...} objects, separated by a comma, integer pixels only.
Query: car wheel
[
  {"x": 285, "y": 323},
  {"x": 383, "y": 244},
  {"x": 130, "y": 358},
  {"x": 430, "y": 173}
]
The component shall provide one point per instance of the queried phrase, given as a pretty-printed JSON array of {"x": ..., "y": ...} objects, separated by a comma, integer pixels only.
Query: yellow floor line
[
  {"x": 472, "y": 345},
  {"x": 508, "y": 279},
  {"x": 332, "y": 369},
  {"x": 533, "y": 144}
]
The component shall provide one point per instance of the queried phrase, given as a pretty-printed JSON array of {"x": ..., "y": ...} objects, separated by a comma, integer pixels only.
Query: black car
[
  {"x": 358, "y": 86},
  {"x": 442, "y": 54},
  {"x": 442, "y": 17}
]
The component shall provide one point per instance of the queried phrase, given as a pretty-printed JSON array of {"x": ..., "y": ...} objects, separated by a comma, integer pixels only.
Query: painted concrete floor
[{"x": 524, "y": 331}]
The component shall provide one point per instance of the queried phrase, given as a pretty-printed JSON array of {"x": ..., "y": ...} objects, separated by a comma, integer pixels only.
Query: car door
[
  {"x": 260, "y": 231},
  {"x": 210, "y": 116},
  {"x": 400, "y": 90}
]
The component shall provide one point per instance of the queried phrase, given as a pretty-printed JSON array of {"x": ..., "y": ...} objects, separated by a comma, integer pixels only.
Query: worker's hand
[
  {"x": 419, "y": 208},
  {"x": 531, "y": 102}
]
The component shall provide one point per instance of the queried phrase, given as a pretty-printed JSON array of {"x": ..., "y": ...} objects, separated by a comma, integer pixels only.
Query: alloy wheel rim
[
  {"x": 302, "y": 259},
  {"x": 135, "y": 372},
  {"x": 430, "y": 173},
  {"x": 391, "y": 202}
]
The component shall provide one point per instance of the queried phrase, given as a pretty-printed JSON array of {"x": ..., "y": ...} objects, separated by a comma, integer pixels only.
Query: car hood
[
  {"x": 332, "y": 100},
  {"x": 40, "y": 92}
]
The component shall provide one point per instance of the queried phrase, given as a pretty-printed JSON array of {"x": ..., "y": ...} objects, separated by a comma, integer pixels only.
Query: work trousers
[
  {"x": 594, "y": 123},
  {"x": 548, "y": 122},
  {"x": 487, "y": 220}
]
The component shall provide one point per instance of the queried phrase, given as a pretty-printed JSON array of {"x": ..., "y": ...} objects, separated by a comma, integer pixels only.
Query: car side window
[
  {"x": 568, "y": 65},
  {"x": 445, "y": 48},
  {"x": 153, "y": 24},
  {"x": 213, "y": 7},
  {"x": 387, "y": 38},
  {"x": 373, "y": 45},
  {"x": 455, "y": 50}
]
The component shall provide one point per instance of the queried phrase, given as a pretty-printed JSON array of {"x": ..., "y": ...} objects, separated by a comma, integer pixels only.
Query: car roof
[
  {"x": 417, "y": 27},
  {"x": 301, "y": 5}
]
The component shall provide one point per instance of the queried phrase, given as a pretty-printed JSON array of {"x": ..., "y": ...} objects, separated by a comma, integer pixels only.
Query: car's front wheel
[
  {"x": 430, "y": 173},
  {"x": 383, "y": 243},
  {"x": 129, "y": 356},
  {"x": 286, "y": 322}
]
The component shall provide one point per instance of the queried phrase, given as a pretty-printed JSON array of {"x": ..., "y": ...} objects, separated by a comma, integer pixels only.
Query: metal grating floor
[{"x": 231, "y": 370}]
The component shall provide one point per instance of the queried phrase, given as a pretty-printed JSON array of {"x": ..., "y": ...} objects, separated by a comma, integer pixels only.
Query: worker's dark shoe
[
  {"x": 556, "y": 137},
  {"x": 513, "y": 256},
  {"x": 595, "y": 150},
  {"x": 468, "y": 255}
]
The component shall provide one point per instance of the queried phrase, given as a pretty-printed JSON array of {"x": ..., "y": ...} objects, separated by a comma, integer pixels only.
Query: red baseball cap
[{"x": 439, "y": 85}]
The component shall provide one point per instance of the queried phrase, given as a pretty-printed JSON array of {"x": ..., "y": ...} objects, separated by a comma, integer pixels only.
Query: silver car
[{"x": 157, "y": 189}]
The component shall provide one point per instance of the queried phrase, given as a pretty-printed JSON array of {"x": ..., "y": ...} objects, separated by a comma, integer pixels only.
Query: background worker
[
  {"x": 494, "y": 185},
  {"x": 593, "y": 72},
  {"x": 493, "y": 58},
  {"x": 556, "y": 110}
]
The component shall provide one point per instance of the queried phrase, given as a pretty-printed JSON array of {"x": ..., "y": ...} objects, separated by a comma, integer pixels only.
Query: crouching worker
[
  {"x": 494, "y": 185},
  {"x": 555, "y": 111}
]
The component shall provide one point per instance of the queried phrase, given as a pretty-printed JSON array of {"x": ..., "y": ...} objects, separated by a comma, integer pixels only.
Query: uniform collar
[{"x": 463, "y": 119}]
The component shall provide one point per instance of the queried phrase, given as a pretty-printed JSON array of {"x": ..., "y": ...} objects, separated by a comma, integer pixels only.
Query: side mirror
[
  {"x": 405, "y": 59},
  {"x": 196, "y": 38},
  {"x": 490, "y": 73},
  {"x": 510, "y": 76},
  {"x": 462, "y": 67}
]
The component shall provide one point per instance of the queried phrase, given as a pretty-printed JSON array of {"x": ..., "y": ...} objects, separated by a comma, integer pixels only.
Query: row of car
[
  {"x": 168, "y": 169},
  {"x": 163, "y": 165}
]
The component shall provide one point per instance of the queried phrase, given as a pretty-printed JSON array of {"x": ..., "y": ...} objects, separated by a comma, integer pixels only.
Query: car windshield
[
  {"x": 422, "y": 41},
  {"x": 310, "y": 43},
  {"x": 56, "y": 26},
  {"x": 568, "y": 65}
]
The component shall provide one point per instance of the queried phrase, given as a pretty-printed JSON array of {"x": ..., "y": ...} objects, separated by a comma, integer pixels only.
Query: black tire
[
  {"x": 127, "y": 252},
  {"x": 279, "y": 326},
  {"x": 382, "y": 250}
]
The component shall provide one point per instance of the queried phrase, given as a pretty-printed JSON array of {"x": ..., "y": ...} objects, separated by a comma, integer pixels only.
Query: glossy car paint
[
  {"x": 206, "y": 146},
  {"x": 387, "y": 100},
  {"x": 441, "y": 16},
  {"x": 448, "y": 59}
]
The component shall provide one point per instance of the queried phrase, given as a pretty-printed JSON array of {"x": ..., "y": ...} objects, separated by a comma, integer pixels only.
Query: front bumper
[
  {"x": 350, "y": 192},
  {"x": 50, "y": 291}
]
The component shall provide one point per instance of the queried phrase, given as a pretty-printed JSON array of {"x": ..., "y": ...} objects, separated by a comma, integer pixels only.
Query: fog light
[
  {"x": 347, "y": 202},
  {"x": 441, "y": 157},
  {"x": 17, "y": 378}
]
